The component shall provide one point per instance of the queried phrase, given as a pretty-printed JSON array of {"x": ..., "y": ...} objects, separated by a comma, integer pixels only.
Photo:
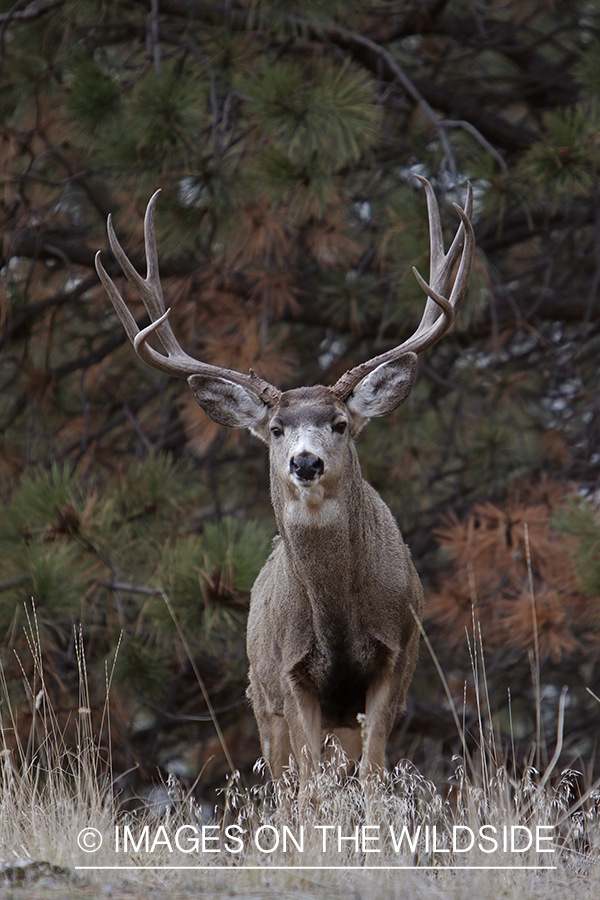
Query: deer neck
[{"x": 324, "y": 537}]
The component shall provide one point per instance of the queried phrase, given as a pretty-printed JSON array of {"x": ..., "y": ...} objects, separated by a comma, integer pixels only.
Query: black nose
[{"x": 306, "y": 466}]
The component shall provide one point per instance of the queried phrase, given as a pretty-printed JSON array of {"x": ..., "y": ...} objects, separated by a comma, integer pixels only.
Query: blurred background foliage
[{"x": 285, "y": 138}]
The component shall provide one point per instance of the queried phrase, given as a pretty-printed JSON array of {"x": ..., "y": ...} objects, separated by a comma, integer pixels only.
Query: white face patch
[
  {"x": 309, "y": 440},
  {"x": 310, "y": 457}
]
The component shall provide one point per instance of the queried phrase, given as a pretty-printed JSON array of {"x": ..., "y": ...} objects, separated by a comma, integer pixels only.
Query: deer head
[{"x": 237, "y": 400}]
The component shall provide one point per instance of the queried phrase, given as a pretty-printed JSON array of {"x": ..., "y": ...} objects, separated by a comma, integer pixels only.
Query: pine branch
[
  {"x": 43, "y": 243},
  {"x": 114, "y": 419},
  {"x": 498, "y": 131},
  {"x": 548, "y": 83},
  {"x": 92, "y": 359},
  {"x": 493, "y": 234},
  {"x": 128, "y": 587},
  {"x": 33, "y": 11},
  {"x": 20, "y": 324},
  {"x": 362, "y": 46}
]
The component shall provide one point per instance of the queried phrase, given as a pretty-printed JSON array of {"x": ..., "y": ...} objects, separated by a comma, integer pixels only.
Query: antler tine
[
  {"x": 441, "y": 265},
  {"x": 177, "y": 361},
  {"x": 149, "y": 288},
  {"x": 439, "y": 313}
]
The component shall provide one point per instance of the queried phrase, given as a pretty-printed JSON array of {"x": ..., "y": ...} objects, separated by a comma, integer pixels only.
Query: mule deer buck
[{"x": 331, "y": 631}]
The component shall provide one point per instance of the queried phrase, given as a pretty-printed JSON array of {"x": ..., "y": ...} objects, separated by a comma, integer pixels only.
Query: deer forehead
[{"x": 313, "y": 407}]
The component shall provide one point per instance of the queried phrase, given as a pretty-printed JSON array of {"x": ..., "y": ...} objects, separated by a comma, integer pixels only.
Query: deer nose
[{"x": 306, "y": 466}]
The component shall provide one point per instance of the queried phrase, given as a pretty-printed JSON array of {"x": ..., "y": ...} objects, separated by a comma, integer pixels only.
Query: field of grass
[{"x": 489, "y": 833}]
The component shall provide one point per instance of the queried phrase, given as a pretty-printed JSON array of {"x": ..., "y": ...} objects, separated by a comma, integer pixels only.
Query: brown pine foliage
[{"x": 501, "y": 554}]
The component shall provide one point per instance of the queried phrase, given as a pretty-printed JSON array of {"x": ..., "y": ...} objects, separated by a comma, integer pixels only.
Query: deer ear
[
  {"x": 230, "y": 404},
  {"x": 385, "y": 388}
]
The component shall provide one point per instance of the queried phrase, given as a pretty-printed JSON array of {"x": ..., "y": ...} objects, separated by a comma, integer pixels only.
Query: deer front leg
[
  {"x": 272, "y": 728},
  {"x": 302, "y": 713},
  {"x": 385, "y": 696},
  {"x": 380, "y": 711},
  {"x": 275, "y": 743}
]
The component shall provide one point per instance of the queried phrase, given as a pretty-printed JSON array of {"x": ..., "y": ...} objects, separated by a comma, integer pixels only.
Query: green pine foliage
[
  {"x": 92, "y": 103},
  {"x": 165, "y": 114},
  {"x": 566, "y": 162},
  {"x": 101, "y": 553},
  {"x": 588, "y": 70},
  {"x": 324, "y": 117},
  {"x": 581, "y": 522}
]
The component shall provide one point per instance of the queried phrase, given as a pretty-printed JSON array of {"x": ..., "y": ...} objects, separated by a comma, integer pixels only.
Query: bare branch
[{"x": 467, "y": 126}]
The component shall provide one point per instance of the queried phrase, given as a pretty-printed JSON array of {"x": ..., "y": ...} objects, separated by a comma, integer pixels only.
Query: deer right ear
[{"x": 231, "y": 404}]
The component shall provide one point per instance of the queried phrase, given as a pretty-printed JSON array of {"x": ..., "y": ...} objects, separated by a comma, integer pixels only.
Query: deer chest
[{"x": 340, "y": 674}]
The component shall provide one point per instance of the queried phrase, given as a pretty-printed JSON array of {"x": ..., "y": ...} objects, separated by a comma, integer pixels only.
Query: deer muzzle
[{"x": 306, "y": 466}]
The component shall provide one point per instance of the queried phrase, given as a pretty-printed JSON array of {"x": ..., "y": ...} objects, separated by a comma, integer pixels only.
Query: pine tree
[{"x": 285, "y": 137}]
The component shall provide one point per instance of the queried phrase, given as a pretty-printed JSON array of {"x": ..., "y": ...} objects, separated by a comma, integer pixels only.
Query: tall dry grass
[{"x": 257, "y": 845}]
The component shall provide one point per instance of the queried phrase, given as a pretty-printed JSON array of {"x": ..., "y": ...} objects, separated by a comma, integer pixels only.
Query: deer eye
[
  {"x": 339, "y": 427},
  {"x": 276, "y": 431}
]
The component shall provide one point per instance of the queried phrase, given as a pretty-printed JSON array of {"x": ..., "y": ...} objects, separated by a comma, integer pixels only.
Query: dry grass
[{"x": 52, "y": 793}]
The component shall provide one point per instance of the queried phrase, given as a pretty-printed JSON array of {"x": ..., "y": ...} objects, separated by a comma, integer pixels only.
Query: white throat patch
[{"x": 311, "y": 508}]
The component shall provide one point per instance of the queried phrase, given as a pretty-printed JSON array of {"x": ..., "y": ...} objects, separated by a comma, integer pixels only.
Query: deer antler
[
  {"x": 434, "y": 324},
  {"x": 177, "y": 361}
]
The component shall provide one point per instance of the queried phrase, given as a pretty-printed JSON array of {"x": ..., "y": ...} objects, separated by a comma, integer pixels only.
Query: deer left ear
[{"x": 385, "y": 388}]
